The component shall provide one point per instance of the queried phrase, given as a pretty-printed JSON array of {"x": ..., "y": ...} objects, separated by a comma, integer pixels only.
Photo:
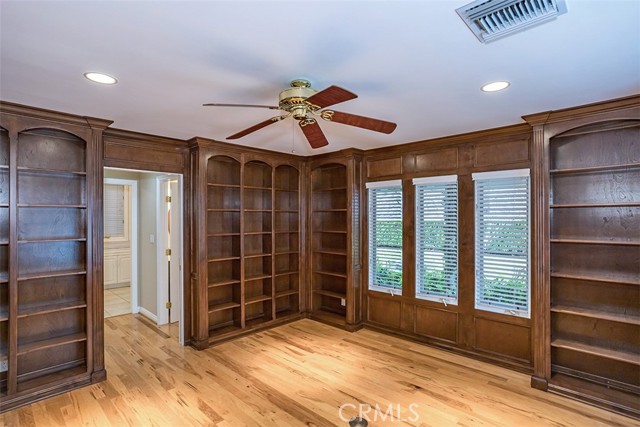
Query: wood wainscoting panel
[
  {"x": 514, "y": 340},
  {"x": 384, "y": 167},
  {"x": 384, "y": 311},
  {"x": 501, "y": 153},
  {"x": 439, "y": 160},
  {"x": 437, "y": 323}
]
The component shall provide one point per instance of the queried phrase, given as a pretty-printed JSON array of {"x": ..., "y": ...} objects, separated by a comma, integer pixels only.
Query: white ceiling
[{"x": 411, "y": 62}]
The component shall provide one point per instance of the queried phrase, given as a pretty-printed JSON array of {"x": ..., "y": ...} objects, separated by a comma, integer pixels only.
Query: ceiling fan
[{"x": 301, "y": 102}]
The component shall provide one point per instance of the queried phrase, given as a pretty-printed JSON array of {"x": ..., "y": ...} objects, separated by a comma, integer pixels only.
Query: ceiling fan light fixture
[
  {"x": 495, "y": 86},
  {"x": 101, "y": 78}
]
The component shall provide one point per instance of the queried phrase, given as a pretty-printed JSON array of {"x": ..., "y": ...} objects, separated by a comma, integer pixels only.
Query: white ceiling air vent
[{"x": 490, "y": 20}]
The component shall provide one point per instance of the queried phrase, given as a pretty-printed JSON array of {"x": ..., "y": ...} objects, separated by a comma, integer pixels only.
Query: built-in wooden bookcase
[
  {"x": 253, "y": 244},
  {"x": 223, "y": 245},
  {"x": 48, "y": 288},
  {"x": 52, "y": 257},
  {"x": 286, "y": 265},
  {"x": 594, "y": 260},
  {"x": 258, "y": 242},
  {"x": 4, "y": 256},
  {"x": 334, "y": 233}
]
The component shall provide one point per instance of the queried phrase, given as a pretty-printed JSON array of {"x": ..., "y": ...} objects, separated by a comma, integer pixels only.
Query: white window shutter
[
  {"x": 114, "y": 214},
  {"x": 437, "y": 238},
  {"x": 385, "y": 236},
  {"x": 502, "y": 242}
]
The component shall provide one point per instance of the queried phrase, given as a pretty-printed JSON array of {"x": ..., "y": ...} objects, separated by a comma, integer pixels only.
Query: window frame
[
  {"x": 481, "y": 305},
  {"x": 441, "y": 179},
  {"x": 376, "y": 185}
]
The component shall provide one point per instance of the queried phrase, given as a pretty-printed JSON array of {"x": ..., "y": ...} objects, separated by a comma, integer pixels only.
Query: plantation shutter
[
  {"x": 502, "y": 241},
  {"x": 114, "y": 210},
  {"x": 385, "y": 236},
  {"x": 437, "y": 238}
]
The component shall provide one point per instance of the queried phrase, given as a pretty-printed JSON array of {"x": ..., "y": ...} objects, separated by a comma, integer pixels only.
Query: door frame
[
  {"x": 133, "y": 236},
  {"x": 161, "y": 245}
]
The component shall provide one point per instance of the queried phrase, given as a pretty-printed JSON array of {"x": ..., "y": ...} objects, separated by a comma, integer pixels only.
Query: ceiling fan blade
[
  {"x": 313, "y": 133},
  {"x": 241, "y": 105},
  {"x": 257, "y": 127},
  {"x": 330, "y": 96},
  {"x": 359, "y": 121}
]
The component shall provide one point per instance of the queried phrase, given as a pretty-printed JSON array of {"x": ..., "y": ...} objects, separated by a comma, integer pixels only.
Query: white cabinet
[{"x": 117, "y": 267}]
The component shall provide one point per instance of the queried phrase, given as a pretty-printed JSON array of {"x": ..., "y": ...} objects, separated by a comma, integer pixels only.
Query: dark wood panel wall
[{"x": 502, "y": 339}]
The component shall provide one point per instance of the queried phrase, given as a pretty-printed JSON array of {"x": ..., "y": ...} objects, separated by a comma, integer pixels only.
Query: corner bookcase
[
  {"x": 47, "y": 284},
  {"x": 595, "y": 263},
  {"x": 334, "y": 241},
  {"x": 253, "y": 244}
]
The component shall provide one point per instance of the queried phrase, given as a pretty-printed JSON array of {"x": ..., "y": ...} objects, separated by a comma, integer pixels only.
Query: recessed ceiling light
[
  {"x": 101, "y": 78},
  {"x": 495, "y": 86}
]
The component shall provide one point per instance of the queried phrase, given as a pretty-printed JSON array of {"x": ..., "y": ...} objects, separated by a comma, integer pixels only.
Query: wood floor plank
[{"x": 299, "y": 375}]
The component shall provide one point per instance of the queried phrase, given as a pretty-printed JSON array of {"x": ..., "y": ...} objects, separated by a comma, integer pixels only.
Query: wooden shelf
[
  {"x": 50, "y": 205},
  {"x": 257, "y": 277},
  {"x": 45, "y": 240},
  {"x": 4, "y": 242},
  {"x": 66, "y": 375},
  {"x": 319, "y": 190},
  {"x": 619, "y": 355},
  {"x": 595, "y": 242},
  {"x": 4, "y": 315},
  {"x": 330, "y": 294},
  {"x": 598, "y": 393},
  {"x": 286, "y": 273},
  {"x": 262, "y": 255},
  {"x": 4, "y": 277},
  {"x": 228, "y": 258},
  {"x": 259, "y": 298},
  {"x": 49, "y": 343},
  {"x": 50, "y": 171},
  {"x": 211, "y": 184},
  {"x": 331, "y": 252},
  {"x": 331, "y": 231},
  {"x": 287, "y": 253},
  {"x": 290, "y": 211},
  {"x": 287, "y": 232},
  {"x": 594, "y": 169},
  {"x": 286, "y": 190},
  {"x": 256, "y": 187},
  {"x": 593, "y": 279},
  {"x": 256, "y": 233},
  {"x": 4, "y": 205},
  {"x": 259, "y": 210},
  {"x": 51, "y": 274},
  {"x": 595, "y": 205},
  {"x": 4, "y": 166},
  {"x": 222, "y": 210},
  {"x": 222, "y": 234},
  {"x": 287, "y": 293},
  {"x": 330, "y": 273},
  {"x": 632, "y": 319},
  {"x": 224, "y": 283},
  {"x": 223, "y": 306},
  {"x": 329, "y": 210},
  {"x": 38, "y": 309}
]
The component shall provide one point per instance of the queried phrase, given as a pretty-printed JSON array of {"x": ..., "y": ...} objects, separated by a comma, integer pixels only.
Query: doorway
[{"x": 142, "y": 267}]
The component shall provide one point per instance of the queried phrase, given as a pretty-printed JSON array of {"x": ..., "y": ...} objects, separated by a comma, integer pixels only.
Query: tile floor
[{"x": 117, "y": 301}]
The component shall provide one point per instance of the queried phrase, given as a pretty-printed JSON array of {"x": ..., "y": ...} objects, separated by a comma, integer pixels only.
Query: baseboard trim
[{"x": 149, "y": 315}]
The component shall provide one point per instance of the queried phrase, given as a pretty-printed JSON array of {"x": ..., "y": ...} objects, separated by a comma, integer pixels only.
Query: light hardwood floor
[{"x": 299, "y": 375}]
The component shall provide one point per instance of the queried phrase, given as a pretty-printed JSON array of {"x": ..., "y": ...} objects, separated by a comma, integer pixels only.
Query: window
[
  {"x": 437, "y": 238},
  {"x": 116, "y": 212},
  {"x": 385, "y": 236},
  {"x": 502, "y": 241}
]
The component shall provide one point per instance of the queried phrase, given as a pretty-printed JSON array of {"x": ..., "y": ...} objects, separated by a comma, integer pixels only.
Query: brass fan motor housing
[{"x": 293, "y": 99}]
